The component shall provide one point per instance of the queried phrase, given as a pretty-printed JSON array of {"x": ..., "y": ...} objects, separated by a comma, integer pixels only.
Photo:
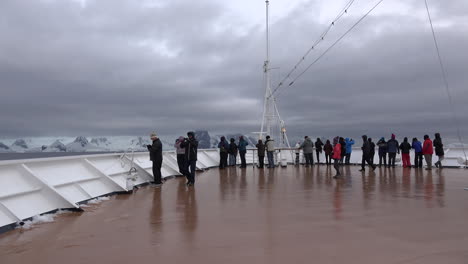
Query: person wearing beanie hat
[
  {"x": 336, "y": 156},
  {"x": 155, "y": 151},
  {"x": 190, "y": 145},
  {"x": 392, "y": 148}
]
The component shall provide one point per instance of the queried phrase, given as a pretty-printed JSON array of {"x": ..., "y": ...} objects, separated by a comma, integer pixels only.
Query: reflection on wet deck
[{"x": 292, "y": 215}]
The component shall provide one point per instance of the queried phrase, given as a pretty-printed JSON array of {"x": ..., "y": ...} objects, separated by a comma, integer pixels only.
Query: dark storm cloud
[{"x": 123, "y": 67}]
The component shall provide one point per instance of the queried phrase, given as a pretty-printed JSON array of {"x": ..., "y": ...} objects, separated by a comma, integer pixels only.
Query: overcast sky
[{"x": 127, "y": 67}]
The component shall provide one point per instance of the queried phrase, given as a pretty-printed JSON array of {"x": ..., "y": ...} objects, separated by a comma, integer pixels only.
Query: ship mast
[
  {"x": 270, "y": 109},
  {"x": 267, "y": 102}
]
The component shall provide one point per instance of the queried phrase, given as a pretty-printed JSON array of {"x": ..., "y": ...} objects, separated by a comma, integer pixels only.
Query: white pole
[{"x": 267, "y": 106}]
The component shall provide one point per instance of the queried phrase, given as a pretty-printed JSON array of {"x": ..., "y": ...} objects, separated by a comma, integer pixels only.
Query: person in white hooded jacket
[{"x": 270, "y": 148}]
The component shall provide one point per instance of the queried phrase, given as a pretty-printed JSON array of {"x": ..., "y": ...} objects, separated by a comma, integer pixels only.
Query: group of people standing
[
  {"x": 391, "y": 147},
  {"x": 425, "y": 149},
  {"x": 186, "y": 149},
  {"x": 340, "y": 151},
  {"x": 308, "y": 148},
  {"x": 230, "y": 150}
]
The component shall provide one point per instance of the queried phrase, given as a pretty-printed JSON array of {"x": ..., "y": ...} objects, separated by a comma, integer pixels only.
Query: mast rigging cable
[
  {"x": 444, "y": 77},
  {"x": 317, "y": 42},
  {"x": 329, "y": 48}
]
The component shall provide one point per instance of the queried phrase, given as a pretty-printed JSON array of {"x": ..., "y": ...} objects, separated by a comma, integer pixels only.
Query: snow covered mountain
[
  {"x": 4, "y": 148},
  {"x": 99, "y": 144}
]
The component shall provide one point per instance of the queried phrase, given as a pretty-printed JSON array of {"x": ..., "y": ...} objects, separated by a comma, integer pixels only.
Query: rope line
[
  {"x": 315, "y": 44},
  {"x": 445, "y": 79},
  {"x": 333, "y": 45}
]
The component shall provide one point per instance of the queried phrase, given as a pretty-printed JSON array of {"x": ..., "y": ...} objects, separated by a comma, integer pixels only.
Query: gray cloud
[{"x": 123, "y": 67}]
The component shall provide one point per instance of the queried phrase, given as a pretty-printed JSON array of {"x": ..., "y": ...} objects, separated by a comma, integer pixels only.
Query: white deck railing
[{"x": 36, "y": 186}]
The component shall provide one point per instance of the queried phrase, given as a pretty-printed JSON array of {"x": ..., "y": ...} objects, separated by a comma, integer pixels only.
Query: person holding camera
[
  {"x": 190, "y": 145},
  {"x": 180, "y": 155},
  {"x": 155, "y": 151}
]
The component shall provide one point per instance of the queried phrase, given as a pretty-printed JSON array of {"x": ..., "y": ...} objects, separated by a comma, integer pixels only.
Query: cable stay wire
[
  {"x": 317, "y": 42},
  {"x": 446, "y": 83},
  {"x": 332, "y": 46}
]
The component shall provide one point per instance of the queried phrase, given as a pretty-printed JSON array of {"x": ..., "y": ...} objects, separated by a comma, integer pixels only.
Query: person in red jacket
[
  {"x": 336, "y": 156},
  {"x": 427, "y": 151}
]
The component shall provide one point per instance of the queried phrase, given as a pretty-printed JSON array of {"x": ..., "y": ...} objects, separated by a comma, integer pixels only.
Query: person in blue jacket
[
  {"x": 242, "y": 150},
  {"x": 418, "y": 156},
  {"x": 392, "y": 150},
  {"x": 349, "y": 149}
]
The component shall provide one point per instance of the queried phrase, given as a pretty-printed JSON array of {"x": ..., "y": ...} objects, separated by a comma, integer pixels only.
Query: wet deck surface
[{"x": 293, "y": 215}]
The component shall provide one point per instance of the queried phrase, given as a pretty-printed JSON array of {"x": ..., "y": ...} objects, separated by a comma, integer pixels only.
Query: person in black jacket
[
  {"x": 382, "y": 152},
  {"x": 232, "y": 152},
  {"x": 318, "y": 149},
  {"x": 155, "y": 151},
  {"x": 190, "y": 145},
  {"x": 405, "y": 147},
  {"x": 223, "y": 153},
  {"x": 366, "y": 152},
  {"x": 439, "y": 150},
  {"x": 392, "y": 149},
  {"x": 372, "y": 150},
  {"x": 343, "y": 150},
  {"x": 261, "y": 153}
]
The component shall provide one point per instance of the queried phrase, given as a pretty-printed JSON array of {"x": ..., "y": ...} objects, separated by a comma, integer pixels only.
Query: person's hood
[{"x": 336, "y": 140}]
